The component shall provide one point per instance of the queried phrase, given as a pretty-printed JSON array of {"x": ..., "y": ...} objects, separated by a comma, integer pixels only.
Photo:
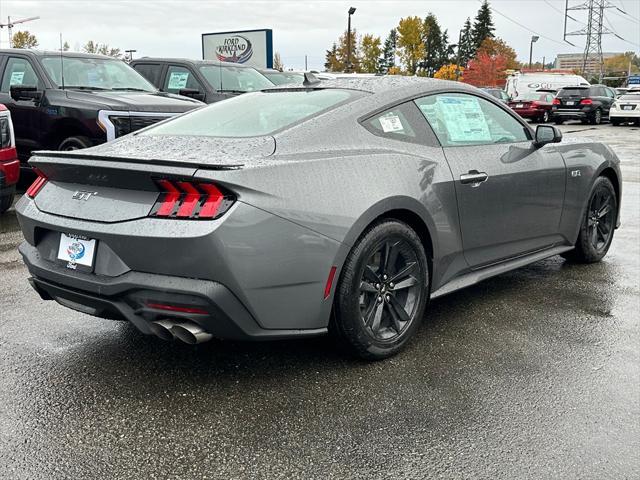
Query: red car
[
  {"x": 533, "y": 105},
  {"x": 9, "y": 163}
]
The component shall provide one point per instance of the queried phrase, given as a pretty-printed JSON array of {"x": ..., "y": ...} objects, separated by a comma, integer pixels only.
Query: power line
[
  {"x": 524, "y": 26},
  {"x": 615, "y": 34}
]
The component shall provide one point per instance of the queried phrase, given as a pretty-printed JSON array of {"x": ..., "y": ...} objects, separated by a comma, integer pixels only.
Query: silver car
[{"x": 340, "y": 206}]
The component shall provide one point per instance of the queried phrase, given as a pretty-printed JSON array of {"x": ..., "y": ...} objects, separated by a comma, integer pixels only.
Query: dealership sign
[{"x": 251, "y": 47}]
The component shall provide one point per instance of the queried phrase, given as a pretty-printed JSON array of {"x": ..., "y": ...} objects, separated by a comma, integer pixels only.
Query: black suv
[
  {"x": 588, "y": 104},
  {"x": 74, "y": 100},
  {"x": 201, "y": 79}
]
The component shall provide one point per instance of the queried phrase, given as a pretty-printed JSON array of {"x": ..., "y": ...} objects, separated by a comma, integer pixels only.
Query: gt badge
[
  {"x": 575, "y": 173},
  {"x": 83, "y": 195}
]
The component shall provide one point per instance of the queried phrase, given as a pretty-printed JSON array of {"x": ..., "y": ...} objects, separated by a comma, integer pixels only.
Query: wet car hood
[
  {"x": 205, "y": 152},
  {"x": 136, "y": 101}
]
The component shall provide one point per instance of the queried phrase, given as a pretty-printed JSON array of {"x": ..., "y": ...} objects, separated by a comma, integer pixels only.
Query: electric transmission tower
[{"x": 593, "y": 30}]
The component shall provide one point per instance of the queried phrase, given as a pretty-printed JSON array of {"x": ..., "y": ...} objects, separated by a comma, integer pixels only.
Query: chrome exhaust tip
[
  {"x": 190, "y": 332},
  {"x": 163, "y": 328}
]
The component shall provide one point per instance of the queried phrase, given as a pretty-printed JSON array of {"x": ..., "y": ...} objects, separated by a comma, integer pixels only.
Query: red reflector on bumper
[
  {"x": 327, "y": 288},
  {"x": 36, "y": 186},
  {"x": 175, "y": 308}
]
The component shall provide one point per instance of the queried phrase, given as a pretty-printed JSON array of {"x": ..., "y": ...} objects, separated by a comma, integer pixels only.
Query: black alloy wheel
[
  {"x": 598, "y": 224},
  {"x": 382, "y": 292},
  {"x": 545, "y": 116},
  {"x": 390, "y": 289}
]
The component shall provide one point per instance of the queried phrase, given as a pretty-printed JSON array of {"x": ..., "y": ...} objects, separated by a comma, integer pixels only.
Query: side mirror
[
  {"x": 25, "y": 92},
  {"x": 192, "y": 93},
  {"x": 547, "y": 134}
]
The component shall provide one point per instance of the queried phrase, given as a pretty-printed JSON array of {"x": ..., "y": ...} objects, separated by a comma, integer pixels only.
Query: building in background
[{"x": 573, "y": 61}]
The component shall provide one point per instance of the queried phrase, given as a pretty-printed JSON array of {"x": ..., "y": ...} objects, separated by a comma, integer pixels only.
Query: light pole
[
  {"x": 130, "y": 54},
  {"x": 352, "y": 10},
  {"x": 458, "y": 56},
  {"x": 534, "y": 39}
]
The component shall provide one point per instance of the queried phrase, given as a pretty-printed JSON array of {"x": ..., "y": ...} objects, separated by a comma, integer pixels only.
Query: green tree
[
  {"x": 343, "y": 48},
  {"x": 410, "y": 43},
  {"x": 467, "y": 47},
  {"x": 65, "y": 47},
  {"x": 24, "y": 40},
  {"x": 389, "y": 49},
  {"x": 370, "y": 53},
  {"x": 621, "y": 64},
  {"x": 332, "y": 64},
  {"x": 435, "y": 45},
  {"x": 102, "y": 49},
  {"x": 483, "y": 25}
]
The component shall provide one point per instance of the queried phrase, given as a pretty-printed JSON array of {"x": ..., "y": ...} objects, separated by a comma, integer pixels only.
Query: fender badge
[
  {"x": 83, "y": 195},
  {"x": 576, "y": 173}
]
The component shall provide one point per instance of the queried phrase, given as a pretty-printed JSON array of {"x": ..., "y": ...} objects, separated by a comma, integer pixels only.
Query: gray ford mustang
[{"x": 339, "y": 206}]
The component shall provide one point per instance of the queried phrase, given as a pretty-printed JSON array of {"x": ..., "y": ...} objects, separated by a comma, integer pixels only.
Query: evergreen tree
[
  {"x": 332, "y": 64},
  {"x": 467, "y": 49},
  {"x": 435, "y": 50},
  {"x": 483, "y": 25},
  {"x": 389, "y": 49}
]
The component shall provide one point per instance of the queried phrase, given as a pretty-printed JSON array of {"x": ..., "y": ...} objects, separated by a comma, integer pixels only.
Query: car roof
[
  {"x": 392, "y": 85},
  {"x": 42, "y": 53},
  {"x": 189, "y": 61}
]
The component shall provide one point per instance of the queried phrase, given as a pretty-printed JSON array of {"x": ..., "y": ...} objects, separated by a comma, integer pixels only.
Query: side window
[
  {"x": 179, "y": 78},
  {"x": 402, "y": 122},
  {"x": 150, "y": 71},
  {"x": 610, "y": 93},
  {"x": 460, "y": 119},
  {"x": 549, "y": 98},
  {"x": 19, "y": 72}
]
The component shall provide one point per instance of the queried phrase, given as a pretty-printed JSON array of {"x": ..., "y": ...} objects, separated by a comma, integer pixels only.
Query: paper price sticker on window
[
  {"x": 178, "y": 80},
  {"x": 391, "y": 123},
  {"x": 464, "y": 119},
  {"x": 16, "y": 78}
]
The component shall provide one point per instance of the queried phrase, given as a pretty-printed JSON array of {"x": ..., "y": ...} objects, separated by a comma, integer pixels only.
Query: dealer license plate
[
  {"x": 571, "y": 103},
  {"x": 627, "y": 107},
  {"x": 76, "y": 250},
  {"x": 519, "y": 105}
]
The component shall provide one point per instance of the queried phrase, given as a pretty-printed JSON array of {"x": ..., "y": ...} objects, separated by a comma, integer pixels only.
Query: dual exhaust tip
[{"x": 187, "y": 332}]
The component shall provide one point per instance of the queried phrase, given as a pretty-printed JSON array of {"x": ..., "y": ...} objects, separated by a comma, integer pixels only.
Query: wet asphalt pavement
[{"x": 532, "y": 374}]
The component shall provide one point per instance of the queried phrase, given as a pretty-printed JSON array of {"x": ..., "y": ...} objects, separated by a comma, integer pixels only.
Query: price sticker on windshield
[{"x": 391, "y": 123}]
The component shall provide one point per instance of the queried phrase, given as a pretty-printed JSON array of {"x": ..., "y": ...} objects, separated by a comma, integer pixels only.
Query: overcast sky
[{"x": 173, "y": 27}]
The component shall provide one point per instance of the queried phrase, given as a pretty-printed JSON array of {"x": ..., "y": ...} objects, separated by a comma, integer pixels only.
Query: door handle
[{"x": 474, "y": 177}]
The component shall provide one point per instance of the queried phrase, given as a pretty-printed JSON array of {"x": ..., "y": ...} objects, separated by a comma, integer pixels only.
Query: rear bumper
[
  {"x": 529, "y": 112},
  {"x": 624, "y": 114},
  {"x": 127, "y": 296},
  {"x": 9, "y": 171}
]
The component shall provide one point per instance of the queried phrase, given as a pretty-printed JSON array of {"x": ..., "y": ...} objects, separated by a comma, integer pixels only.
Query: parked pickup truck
[{"x": 68, "y": 100}]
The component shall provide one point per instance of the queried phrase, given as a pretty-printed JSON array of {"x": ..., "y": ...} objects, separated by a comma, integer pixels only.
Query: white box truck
[{"x": 521, "y": 83}]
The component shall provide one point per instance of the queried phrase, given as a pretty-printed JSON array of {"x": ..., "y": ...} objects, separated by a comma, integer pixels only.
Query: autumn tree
[
  {"x": 24, "y": 40},
  {"x": 483, "y": 25},
  {"x": 410, "y": 43},
  {"x": 485, "y": 70},
  {"x": 450, "y": 71},
  {"x": 389, "y": 49},
  {"x": 497, "y": 46},
  {"x": 277, "y": 62},
  {"x": 343, "y": 48},
  {"x": 435, "y": 45},
  {"x": 622, "y": 64},
  {"x": 65, "y": 47},
  {"x": 102, "y": 49},
  {"x": 467, "y": 49},
  {"x": 370, "y": 53}
]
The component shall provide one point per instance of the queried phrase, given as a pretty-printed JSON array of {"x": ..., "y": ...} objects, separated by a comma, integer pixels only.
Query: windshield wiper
[
  {"x": 132, "y": 89},
  {"x": 84, "y": 87},
  {"x": 233, "y": 91}
]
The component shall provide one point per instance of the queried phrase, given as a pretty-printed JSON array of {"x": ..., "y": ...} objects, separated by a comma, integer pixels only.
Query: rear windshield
[
  {"x": 255, "y": 114},
  {"x": 633, "y": 97},
  {"x": 573, "y": 92},
  {"x": 531, "y": 96}
]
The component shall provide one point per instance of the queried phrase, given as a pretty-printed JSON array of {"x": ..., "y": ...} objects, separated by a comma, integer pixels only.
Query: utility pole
[
  {"x": 593, "y": 30},
  {"x": 352, "y": 10},
  {"x": 10, "y": 24}
]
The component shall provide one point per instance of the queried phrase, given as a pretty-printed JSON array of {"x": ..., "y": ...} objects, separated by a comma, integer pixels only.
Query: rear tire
[
  {"x": 558, "y": 121},
  {"x": 382, "y": 291},
  {"x": 75, "y": 143},
  {"x": 598, "y": 224},
  {"x": 6, "y": 202},
  {"x": 596, "y": 118},
  {"x": 545, "y": 117},
  {"x": 615, "y": 122}
]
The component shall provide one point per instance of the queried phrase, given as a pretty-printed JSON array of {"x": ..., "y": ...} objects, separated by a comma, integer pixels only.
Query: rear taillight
[
  {"x": 37, "y": 185},
  {"x": 586, "y": 101},
  {"x": 190, "y": 200},
  {"x": 556, "y": 101},
  {"x": 535, "y": 104}
]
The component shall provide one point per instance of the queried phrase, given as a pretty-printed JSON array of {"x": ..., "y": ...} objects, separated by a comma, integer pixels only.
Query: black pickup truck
[{"x": 66, "y": 101}]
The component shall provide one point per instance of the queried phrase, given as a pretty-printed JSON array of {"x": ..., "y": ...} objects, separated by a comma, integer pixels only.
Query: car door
[
  {"x": 510, "y": 194},
  {"x": 25, "y": 114}
]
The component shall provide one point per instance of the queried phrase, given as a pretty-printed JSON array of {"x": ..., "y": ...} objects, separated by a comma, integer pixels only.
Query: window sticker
[
  {"x": 464, "y": 119},
  {"x": 178, "y": 80},
  {"x": 16, "y": 78},
  {"x": 391, "y": 123}
]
